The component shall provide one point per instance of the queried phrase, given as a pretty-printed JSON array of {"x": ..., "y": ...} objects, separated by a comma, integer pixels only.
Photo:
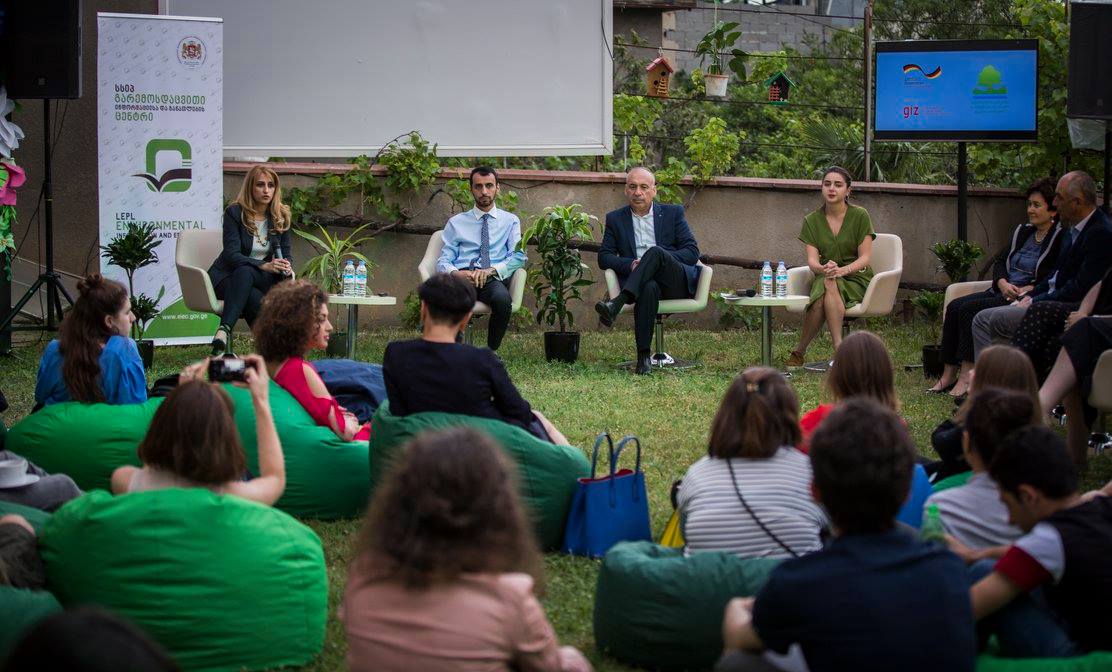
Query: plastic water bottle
[
  {"x": 781, "y": 280},
  {"x": 349, "y": 278},
  {"x": 932, "y": 529},
  {"x": 361, "y": 279},
  {"x": 766, "y": 280}
]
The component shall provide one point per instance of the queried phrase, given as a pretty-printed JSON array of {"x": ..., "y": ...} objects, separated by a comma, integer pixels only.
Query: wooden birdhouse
[
  {"x": 659, "y": 76},
  {"x": 779, "y": 88}
]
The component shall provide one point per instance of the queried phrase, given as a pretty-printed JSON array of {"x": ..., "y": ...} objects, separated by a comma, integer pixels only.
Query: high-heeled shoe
[
  {"x": 941, "y": 390},
  {"x": 220, "y": 345}
]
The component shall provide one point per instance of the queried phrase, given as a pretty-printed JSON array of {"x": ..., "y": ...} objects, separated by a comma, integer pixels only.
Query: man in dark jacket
[{"x": 650, "y": 247}]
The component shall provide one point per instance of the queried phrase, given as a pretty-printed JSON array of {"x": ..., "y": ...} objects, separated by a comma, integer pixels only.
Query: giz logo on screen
[
  {"x": 176, "y": 179},
  {"x": 192, "y": 51}
]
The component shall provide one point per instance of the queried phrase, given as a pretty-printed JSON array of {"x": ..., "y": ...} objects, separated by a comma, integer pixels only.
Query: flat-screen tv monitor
[{"x": 957, "y": 90}]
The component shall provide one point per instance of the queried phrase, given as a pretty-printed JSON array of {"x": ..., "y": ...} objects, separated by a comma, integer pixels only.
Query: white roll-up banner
[{"x": 160, "y": 147}]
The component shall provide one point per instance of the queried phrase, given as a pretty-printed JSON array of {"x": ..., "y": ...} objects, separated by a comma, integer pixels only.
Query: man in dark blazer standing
[{"x": 650, "y": 247}]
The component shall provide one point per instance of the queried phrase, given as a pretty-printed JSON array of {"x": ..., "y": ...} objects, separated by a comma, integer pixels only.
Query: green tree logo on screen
[
  {"x": 176, "y": 179},
  {"x": 988, "y": 82}
]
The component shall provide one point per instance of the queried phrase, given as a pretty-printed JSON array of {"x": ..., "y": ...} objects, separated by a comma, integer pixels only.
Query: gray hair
[{"x": 1082, "y": 186}]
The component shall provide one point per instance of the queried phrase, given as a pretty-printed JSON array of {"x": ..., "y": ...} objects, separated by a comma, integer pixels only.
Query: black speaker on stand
[
  {"x": 40, "y": 44},
  {"x": 1090, "y": 73}
]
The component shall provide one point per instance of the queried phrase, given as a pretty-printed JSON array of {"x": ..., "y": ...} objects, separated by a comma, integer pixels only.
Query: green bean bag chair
[
  {"x": 20, "y": 610},
  {"x": 656, "y": 609},
  {"x": 547, "y": 472},
  {"x": 326, "y": 477},
  {"x": 955, "y": 481},
  {"x": 223, "y": 583},
  {"x": 1098, "y": 661}
]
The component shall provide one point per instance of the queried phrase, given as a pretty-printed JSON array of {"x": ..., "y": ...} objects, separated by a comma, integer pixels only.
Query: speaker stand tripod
[{"x": 48, "y": 279}]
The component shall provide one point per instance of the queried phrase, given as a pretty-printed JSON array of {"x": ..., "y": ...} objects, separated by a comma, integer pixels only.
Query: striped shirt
[{"x": 778, "y": 489}]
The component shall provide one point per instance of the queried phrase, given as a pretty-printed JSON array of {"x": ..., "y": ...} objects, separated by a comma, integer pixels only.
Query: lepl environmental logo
[
  {"x": 990, "y": 83},
  {"x": 177, "y": 178},
  {"x": 192, "y": 51}
]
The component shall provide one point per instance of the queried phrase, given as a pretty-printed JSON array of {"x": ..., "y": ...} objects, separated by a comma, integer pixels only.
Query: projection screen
[{"x": 333, "y": 78}]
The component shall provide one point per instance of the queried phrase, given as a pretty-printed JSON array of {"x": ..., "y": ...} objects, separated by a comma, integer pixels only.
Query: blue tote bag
[{"x": 608, "y": 509}]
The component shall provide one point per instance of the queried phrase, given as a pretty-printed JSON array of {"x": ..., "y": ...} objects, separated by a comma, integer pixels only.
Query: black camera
[{"x": 227, "y": 370}]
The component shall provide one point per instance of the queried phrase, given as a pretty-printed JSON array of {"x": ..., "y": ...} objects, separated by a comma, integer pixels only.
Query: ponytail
[{"x": 758, "y": 415}]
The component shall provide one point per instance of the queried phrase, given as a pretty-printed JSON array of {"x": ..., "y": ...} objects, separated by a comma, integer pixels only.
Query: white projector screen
[{"x": 330, "y": 78}]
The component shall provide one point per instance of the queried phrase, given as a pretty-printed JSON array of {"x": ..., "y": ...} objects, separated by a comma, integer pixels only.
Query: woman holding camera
[
  {"x": 256, "y": 253},
  {"x": 839, "y": 242},
  {"x": 292, "y": 321},
  {"x": 94, "y": 358},
  {"x": 193, "y": 442}
]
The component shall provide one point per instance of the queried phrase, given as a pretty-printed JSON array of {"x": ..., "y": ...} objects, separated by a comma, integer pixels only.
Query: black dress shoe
[
  {"x": 607, "y": 311},
  {"x": 644, "y": 365}
]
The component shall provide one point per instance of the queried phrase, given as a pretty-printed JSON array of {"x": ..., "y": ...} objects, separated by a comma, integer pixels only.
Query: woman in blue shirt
[{"x": 94, "y": 359}]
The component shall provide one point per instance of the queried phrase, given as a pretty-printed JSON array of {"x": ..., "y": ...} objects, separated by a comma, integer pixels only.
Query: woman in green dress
[{"x": 839, "y": 240}]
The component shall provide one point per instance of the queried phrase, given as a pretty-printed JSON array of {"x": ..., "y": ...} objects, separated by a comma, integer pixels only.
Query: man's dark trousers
[
  {"x": 496, "y": 294},
  {"x": 658, "y": 276}
]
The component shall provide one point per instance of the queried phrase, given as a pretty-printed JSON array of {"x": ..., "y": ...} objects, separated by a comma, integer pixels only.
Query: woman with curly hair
[
  {"x": 446, "y": 573},
  {"x": 93, "y": 359},
  {"x": 292, "y": 321},
  {"x": 256, "y": 254}
]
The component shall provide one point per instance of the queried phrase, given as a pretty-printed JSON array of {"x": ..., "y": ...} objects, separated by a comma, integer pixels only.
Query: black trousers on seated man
[
  {"x": 658, "y": 276},
  {"x": 496, "y": 294}
]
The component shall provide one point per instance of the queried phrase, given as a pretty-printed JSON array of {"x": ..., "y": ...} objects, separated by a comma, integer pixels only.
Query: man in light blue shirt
[{"x": 480, "y": 245}]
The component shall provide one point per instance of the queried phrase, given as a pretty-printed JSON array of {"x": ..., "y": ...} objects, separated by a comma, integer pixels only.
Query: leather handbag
[{"x": 610, "y": 508}]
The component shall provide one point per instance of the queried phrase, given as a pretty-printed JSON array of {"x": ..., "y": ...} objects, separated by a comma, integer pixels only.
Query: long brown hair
[
  {"x": 862, "y": 368},
  {"x": 289, "y": 317},
  {"x": 1005, "y": 368},
  {"x": 844, "y": 174},
  {"x": 448, "y": 507},
  {"x": 193, "y": 435},
  {"x": 276, "y": 212},
  {"x": 758, "y": 415},
  {"x": 83, "y": 333}
]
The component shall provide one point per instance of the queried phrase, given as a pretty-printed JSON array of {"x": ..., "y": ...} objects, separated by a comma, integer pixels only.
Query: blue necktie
[{"x": 484, "y": 242}]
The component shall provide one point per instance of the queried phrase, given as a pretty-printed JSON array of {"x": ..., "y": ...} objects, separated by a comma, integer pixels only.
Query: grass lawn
[{"x": 671, "y": 413}]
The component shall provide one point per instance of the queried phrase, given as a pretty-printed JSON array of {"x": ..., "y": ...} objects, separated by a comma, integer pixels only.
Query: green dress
[{"x": 842, "y": 249}]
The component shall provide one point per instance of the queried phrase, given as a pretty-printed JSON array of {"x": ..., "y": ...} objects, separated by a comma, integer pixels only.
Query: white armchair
[
  {"x": 956, "y": 290},
  {"x": 668, "y": 307},
  {"x": 427, "y": 268}
]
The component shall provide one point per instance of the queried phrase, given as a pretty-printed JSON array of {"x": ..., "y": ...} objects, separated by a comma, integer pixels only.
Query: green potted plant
[
  {"x": 930, "y": 304},
  {"x": 132, "y": 250},
  {"x": 956, "y": 258},
  {"x": 559, "y": 275},
  {"x": 327, "y": 269},
  {"x": 712, "y": 51}
]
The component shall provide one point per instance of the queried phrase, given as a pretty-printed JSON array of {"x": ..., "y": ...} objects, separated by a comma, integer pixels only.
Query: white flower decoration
[{"x": 10, "y": 134}]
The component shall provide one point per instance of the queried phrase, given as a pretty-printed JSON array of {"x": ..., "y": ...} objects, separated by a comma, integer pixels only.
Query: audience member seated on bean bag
[
  {"x": 999, "y": 366},
  {"x": 23, "y": 600},
  {"x": 547, "y": 471},
  {"x": 862, "y": 368},
  {"x": 91, "y": 640},
  {"x": 223, "y": 583},
  {"x": 973, "y": 514},
  {"x": 22, "y": 482},
  {"x": 445, "y": 574},
  {"x": 326, "y": 477},
  {"x": 751, "y": 494},
  {"x": 655, "y": 608},
  {"x": 93, "y": 359},
  {"x": 292, "y": 321},
  {"x": 438, "y": 374},
  {"x": 876, "y": 597},
  {"x": 193, "y": 443}
]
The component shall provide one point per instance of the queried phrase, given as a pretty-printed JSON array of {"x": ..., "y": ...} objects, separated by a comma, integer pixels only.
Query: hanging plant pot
[
  {"x": 716, "y": 84},
  {"x": 337, "y": 344},
  {"x": 146, "y": 352},
  {"x": 562, "y": 346},
  {"x": 932, "y": 361}
]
